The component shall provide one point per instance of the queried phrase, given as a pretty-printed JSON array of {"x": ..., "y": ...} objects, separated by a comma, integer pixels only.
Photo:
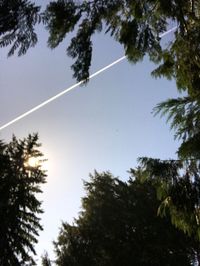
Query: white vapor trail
[{"x": 70, "y": 88}]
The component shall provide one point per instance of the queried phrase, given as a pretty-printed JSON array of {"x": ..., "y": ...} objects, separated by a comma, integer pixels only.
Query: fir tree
[
  {"x": 17, "y": 25},
  {"x": 19, "y": 208},
  {"x": 134, "y": 24},
  {"x": 118, "y": 225}
]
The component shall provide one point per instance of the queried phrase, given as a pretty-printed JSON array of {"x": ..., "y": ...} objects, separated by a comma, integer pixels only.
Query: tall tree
[
  {"x": 19, "y": 208},
  {"x": 136, "y": 25},
  {"x": 178, "y": 181},
  {"x": 118, "y": 225},
  {"x": 178, "y": 187}
]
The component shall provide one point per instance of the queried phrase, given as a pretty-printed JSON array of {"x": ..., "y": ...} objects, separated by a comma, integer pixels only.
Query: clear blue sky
[{"x": 105, "y": 125}]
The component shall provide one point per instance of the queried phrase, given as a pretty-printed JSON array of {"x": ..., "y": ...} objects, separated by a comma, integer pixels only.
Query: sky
[{"x": 105, "y": 125}]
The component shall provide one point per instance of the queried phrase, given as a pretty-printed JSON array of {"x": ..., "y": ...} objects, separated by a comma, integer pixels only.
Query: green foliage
[
  {"x": 178, "y": 187},
  {"x": 136, "y": 25},
  {"x": 181, "y": 178},
  {"x": 19, "y": 207},
  {"x": 127, "y": 21},
  {"x": 62, "y": 19},
  {"x": 181, "y": 60},
  {"x": 184, "y": 116},
  {"x": 17, "y": 21},
  {"x": 118, "y": 225},
  {"x": 45, "y": 260}
]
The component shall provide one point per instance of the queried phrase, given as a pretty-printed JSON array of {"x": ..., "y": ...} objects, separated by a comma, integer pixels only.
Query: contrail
[
  {"x": 168, "y": 31},
  {"x": 70, "y": 88},
  {"x": 60, "y": 94}
]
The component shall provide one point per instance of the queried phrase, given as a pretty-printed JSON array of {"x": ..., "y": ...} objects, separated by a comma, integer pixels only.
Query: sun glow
[{"x": 32, "y": 162}]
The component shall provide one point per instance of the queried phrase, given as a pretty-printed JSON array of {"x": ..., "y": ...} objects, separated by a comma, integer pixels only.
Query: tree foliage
[
  {"x": 184, "y": 116},
  {"x": 45, "y": 260},
  {"x": 127, "y": 21},
  {"x": 19, "y": 208},
  {"x": 178, "y": 181},
  {"x": 17, "y": 22},
  {"x": 178, "y": 188},
  {"x": 118, "y": 225},
  {"x": 136, "y": 25}
]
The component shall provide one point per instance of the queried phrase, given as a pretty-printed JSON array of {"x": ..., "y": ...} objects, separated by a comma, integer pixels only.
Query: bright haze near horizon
[{"x": 105, "y": 125}]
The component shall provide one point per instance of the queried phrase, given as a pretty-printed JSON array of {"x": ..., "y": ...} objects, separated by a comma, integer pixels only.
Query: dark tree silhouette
[
  {"x": 19, "y": 208},
  {"x": 45, "y": 260},
  {"x": 178, "y": 181},
  {"x": 134, "y": 24},
  {"x": 17, "y": 21},
  {"x": 118, "y": 225},
  {"x": 137, "y": 26}
]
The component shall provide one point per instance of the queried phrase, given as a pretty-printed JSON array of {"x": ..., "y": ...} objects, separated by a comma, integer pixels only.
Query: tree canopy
[
  {"x": 136, "y": 25},
  {"x": 17, "y": 21},
  {"x": 178, "y": 181},
  {"x": 183, "y": 114},
  {"x": 45, "y": 260},
  {"x": 178, "y": 184},
  {"x": 19, "y": 208},
  {"x": 118, "y": 225}
]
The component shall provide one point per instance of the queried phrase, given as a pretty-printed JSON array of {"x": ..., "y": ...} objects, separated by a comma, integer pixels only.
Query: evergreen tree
[
  {"x": 118, "y": 225},
  {"x": 19, "y": 208},
  {"x": 134, "y": 24},
  {"x": 184, "y": 117},
  {"x": 178, "y": 187},
  {"x": 178, "y": 181},
  {"x": 137, "y": 26},
  {"x": 17, "y": 21},
  {"x": 45, "y": 260}
]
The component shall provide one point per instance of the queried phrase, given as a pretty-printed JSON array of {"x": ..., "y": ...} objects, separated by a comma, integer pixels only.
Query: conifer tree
[
  {"x": 183, "y": 114},
  {"x": 20, "y": 210},
  {"x": 118, "y": 225},
  {"x": 136, "y": 25},
  {"x": 18, "y": 19},
  {"x": 178, "y": 181},
  {"x": 45, "y": 260}
]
